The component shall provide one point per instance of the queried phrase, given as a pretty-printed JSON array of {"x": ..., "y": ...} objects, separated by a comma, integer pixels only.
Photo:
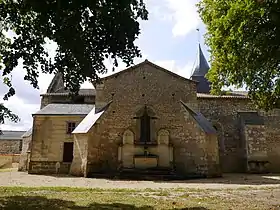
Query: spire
[
  {"x": 57, "y": 84},
  {"x": 200, "y": 69},
  {"x": 201, "y": 66}
]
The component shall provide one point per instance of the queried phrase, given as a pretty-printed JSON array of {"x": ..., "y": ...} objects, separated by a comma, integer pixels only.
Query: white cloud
[
  {"x": 23, "y": 110},
  {"x": 184, "y": 71},
  {"x": 184, "y": 16},
  {"x": 121, "y": 65}
]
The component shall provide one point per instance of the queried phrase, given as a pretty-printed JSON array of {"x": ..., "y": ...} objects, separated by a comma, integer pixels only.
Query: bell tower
[{"x": 200, "y": 69}]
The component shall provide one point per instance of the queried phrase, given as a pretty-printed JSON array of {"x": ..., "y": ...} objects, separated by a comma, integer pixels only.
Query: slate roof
[
  {"x": 251, "y": 118},
  {"x": 53, "y": 85},
  {"x": 230, "y": 96},
  {"x": 86, "y": 124},
  {"x": 65, "y": 109},
  {"x": 27, "y": 133},
  {"x": 201, "y": 67},
  {"x": 203, "y": 85},
  {"x": 11, "y": 135},
  {"x": 204, "y": 124},
  {"x": 82, "y": 92}
]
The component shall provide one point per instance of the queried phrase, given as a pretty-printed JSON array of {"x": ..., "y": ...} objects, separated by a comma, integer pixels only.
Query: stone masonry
[
  {"x": 146, "y": 119},
  {"x": 193, "y": 152},
  {"x": 11, "y": 142}
]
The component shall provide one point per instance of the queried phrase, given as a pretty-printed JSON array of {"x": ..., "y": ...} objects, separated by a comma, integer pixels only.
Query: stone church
[{"x": 149, "y": 120}]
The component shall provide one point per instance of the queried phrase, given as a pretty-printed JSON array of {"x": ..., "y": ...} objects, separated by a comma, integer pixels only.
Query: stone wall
[
  {"x": 25, "y": 153},
  {"x": 48, "y": 167},
  {"x": 161, "y": 92},
  {"x": 223, "y": 113},
  {"x": 10, "y": 146},
  {"x": 272, "y": 134},
  {"x": 240, "y": 143},
  {"x": 8, "y": 161},
  {"x": 49, "y": 135}
]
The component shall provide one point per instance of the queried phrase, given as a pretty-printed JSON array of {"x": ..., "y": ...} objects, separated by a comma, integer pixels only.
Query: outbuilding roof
[
  {"x": 65, "y": 109},
  {"x": 230, "y": 96},
  {"x": 11, "y": 135},
  {"x": 82, "y": 92}
]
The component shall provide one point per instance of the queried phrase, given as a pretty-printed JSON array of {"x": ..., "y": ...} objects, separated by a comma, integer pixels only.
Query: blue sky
[{"x": 169, "y": 39}]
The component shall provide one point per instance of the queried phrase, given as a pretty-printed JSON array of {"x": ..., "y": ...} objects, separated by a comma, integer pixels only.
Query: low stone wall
[
  {"x": 23, "y": 162},
  {"x": 9, "y": 147},
  {"x": 25, "y": 154},
  {"x": 47, "y": 167},
  {"x": 6, "y": 161}
]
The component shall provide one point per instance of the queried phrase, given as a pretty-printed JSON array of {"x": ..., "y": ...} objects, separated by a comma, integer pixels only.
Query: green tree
[
  {"x": 244, "y": 41},
  {"x": 86, "y": 32}
]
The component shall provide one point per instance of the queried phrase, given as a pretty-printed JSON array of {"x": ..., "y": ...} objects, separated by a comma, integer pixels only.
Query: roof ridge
[{"x": 146, "y": 61}]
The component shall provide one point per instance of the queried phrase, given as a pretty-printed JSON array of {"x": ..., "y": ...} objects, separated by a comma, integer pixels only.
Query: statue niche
[
  {"x": 128, "y": 137},
  {"x": 163, "y": 137}
]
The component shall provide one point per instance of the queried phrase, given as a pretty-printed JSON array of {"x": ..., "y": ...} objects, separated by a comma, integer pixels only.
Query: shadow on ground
[
  {"x": 39, "y": 202},
  {"x": 239, "y": 179}
]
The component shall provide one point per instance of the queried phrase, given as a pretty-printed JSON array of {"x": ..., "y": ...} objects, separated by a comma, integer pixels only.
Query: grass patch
[
  {"x": 6, "y": 169},
  {"x": 57, "y": 198}
]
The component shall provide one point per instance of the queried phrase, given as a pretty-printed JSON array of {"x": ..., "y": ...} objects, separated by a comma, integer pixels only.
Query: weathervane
[{"x": 198, "y": 35}]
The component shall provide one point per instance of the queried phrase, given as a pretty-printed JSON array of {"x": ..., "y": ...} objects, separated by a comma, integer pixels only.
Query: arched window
[
  {"x": 145, "y": 122},
  {"x": 145, "y": 127}
]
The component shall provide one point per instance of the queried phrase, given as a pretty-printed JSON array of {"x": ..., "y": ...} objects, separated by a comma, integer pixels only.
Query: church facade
[{"x": 146, "y": 119}]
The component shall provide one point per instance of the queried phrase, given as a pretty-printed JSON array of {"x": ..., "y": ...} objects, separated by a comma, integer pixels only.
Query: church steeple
[
  {"x": 201, "y": 66},
  {"x": 200, "y": 69},
  {"x": 56, "y": 84}
]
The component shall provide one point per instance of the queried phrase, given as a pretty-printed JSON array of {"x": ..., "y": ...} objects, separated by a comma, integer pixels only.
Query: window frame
[{"x": 69, "y": 128}]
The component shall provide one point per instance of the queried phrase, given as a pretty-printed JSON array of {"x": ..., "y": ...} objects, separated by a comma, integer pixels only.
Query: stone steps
[{"x": 146, "y": 175}]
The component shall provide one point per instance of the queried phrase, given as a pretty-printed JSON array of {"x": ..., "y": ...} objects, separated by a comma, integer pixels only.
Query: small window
[{"x": 70, "y": 127}]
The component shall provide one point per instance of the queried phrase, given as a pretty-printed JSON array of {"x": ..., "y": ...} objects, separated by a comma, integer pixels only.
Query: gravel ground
[{"x": 229, "y": 181}]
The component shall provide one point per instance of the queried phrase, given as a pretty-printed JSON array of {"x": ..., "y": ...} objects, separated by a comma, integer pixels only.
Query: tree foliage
[
  {"x": 244, "y": 41},
  {"x": 85, "y": 31},
  {"x": 5, "y": 113}
]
